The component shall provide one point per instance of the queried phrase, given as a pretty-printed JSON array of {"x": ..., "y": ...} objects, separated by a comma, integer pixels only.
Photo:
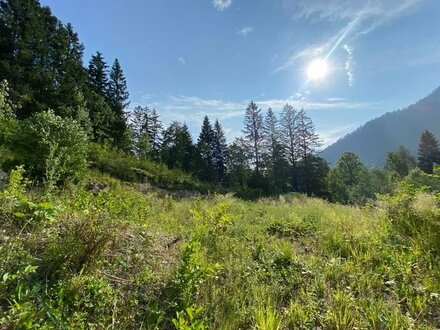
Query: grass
[{"x": 123, "y": 258}]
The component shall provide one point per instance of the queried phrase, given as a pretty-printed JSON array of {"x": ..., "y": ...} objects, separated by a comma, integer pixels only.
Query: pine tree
[
  {"x": 253, "y": 130},
  {"x": 98, "y": 75},
  {"x": 428, "y": 152},
  {"x": 220, "y": 152},
  {"x": 205, "y": 152}
]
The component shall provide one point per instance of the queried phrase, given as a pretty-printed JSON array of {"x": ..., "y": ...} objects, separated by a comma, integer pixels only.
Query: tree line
[
  {"x": 42, "y": 60},
  {"x": 274, "y": 155}
]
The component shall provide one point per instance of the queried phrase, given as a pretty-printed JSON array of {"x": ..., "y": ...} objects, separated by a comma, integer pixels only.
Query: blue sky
[{"x": 212, "y": 57}]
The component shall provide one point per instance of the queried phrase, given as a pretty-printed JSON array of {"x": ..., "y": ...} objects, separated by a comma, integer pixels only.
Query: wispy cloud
[
  {"x": 349, "y": 64},
  {"x": 221, "y": 5},
  {"x": 245, "y": 31},
  {"x": 362, "y": 16},
  {"x": 347, "y": 9},
  {"x": 182, "y": 60}
]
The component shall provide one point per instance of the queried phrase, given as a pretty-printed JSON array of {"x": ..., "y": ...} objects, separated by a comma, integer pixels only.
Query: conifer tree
[
  {"x": 220, "y": 152},
  {"x": 117, "y": 96},
  {"x": 205, "y": 151},
  {"x": 177, "y": 147},
  {"x": 307, "y": 142},
  {"x": 274, "y": 152},
  {"x": 40, "y": 57},
  {"x": 238, "y": 163},
  {"x": 98, "y": 75},
  {"x": 253, "y": 130},
  {"x": 147, "y": 131},
  {"x": 428, "y": 152},
  {"x": 289, "y": 140}
]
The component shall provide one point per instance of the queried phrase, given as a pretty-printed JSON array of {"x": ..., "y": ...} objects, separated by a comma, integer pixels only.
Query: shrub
[{"x": 53, "y": 148}]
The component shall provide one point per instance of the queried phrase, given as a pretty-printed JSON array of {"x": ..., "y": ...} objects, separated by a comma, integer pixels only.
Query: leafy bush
[{"x": 53, "y": 148}]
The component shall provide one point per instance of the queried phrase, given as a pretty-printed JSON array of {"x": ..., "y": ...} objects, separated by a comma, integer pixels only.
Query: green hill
[{"x": 373, "y": 140}]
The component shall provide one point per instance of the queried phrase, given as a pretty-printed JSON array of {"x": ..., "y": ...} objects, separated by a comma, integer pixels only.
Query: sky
[{"x": 194, "y": 58}]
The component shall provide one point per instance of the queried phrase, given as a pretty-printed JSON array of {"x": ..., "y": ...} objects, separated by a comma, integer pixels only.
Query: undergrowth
[{"x": 119, "y": 258}]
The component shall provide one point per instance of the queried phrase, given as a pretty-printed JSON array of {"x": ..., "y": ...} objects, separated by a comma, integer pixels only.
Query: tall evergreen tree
[
  {"x": 98, "y": 75},
  {"x": 220, "y": 152},
  {"x": 428, "y": 152},
  {"x": 289, "y": 140},
  {"x": 253, "y": 130},
  {"x": 274, "y": 152},
  {"x": 177, "y": 147},
  {"x": 205, "y": 151},
  {"x": 154, "y": 130},
  {"x": 117, "y": 96},
  {"x": 238, "y": 163},
  {"x": 39, "y": 56},
  {"x": 147, "y": 131},
  {"x": 205, "y": 144},
  {"x": 307, "y": 142}
]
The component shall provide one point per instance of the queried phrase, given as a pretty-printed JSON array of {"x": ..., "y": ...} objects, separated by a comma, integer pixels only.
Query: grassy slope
[{"x": 125, "y": 259}]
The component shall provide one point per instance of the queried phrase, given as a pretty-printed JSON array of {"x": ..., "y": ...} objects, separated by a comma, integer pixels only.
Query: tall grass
[{"x": 122, "y": 259}]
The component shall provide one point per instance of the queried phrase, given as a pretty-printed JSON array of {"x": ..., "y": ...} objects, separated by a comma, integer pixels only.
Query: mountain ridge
[{"x": 375, "y": 138}]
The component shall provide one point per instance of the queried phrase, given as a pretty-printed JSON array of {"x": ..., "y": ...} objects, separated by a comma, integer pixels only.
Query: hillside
[
  {"x": 373, "y": 140},
  {"x": 124, "y": 259}
]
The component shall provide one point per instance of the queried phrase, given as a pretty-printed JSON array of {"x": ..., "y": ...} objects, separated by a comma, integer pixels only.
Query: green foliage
[
  {"x": 132, "y": 169},
  {"x": 428, "y": 152},
  {"x": 401, "y": 162},
  {"x": 188, "y": 319},
  {"x": 51, "y": 147}
]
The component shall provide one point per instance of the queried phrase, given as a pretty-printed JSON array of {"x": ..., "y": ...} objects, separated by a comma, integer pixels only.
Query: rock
[{"x": 3, "y": 179}]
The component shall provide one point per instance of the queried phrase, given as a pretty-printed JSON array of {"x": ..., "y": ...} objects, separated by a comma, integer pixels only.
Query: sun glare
[{"x": 317, "y": 70}]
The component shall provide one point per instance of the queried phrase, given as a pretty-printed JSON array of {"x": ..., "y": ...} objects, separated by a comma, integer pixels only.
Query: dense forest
[{"x": 111, "y": 219}]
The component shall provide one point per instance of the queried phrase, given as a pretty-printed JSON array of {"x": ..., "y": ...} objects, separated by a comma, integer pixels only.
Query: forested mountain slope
[{"x": 386, "y": 133}]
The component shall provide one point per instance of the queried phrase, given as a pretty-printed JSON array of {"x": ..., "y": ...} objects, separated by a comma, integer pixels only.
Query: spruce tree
[
  {"x": 40, "y": 57},
  {"x": 428, "y": 152},
  {"x": 98, "y": 75},
  {"x": 147, "y": 131},
  {"x": 177, "y": 147},
  {"x": 238, "y": 163},
  {"x": 205, "y": 151},
  {"x": 220, "y": 152},
  {"x": 253, "y": 130},
  {"x": 274, "y": 152},
  {"x": 307, "y": 141},
  {"x": 289, "y": 141},
  {"x": 117, "y": 96}
]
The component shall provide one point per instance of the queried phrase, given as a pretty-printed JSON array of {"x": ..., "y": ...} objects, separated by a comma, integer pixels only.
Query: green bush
[{"x": 53, "y": 148}]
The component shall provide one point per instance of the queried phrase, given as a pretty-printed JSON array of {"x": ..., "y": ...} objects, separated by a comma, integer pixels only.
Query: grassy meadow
[{"x": 121, "y": 257}]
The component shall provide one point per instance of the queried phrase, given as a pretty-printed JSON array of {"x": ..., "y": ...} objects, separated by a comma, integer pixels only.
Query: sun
[{"x": 317, "y": 70}]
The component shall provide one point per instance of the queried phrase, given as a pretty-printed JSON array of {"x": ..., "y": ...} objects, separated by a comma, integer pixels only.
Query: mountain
[{"x": 372, "y": 141}]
